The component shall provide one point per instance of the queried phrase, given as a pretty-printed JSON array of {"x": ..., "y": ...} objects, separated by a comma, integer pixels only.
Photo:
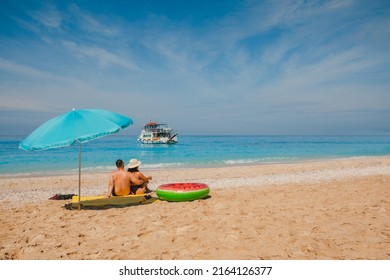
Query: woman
[{"x": 139, "y": 182}]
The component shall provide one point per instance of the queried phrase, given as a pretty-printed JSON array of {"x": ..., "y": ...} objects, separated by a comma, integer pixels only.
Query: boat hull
[{"x": 157, "y": 141}]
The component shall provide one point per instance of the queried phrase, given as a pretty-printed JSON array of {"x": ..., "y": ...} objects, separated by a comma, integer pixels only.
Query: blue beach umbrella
[{"x": 76, "y": 126}]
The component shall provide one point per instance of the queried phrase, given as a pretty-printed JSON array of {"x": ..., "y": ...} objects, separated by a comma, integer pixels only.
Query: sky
[{"x": 221, "y": 67}]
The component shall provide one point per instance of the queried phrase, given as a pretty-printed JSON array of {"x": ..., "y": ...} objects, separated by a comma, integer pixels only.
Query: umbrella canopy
[{"x": 76, "y": 126}]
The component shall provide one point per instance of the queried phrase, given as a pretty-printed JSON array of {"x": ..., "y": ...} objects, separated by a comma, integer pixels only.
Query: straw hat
[{"x": 133, "y": 163}]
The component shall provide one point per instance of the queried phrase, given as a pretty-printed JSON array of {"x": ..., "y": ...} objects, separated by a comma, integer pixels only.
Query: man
[{"x": 119, "y": 182}]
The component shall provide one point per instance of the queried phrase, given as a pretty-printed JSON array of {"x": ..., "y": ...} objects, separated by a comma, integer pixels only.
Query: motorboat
[{"x": 157, "y": 133}]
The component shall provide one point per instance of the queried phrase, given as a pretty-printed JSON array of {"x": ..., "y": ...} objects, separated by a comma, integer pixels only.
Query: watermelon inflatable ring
[{"x": 182, "y": 191}]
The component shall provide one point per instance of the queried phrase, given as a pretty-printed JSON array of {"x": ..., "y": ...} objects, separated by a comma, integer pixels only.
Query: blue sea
[{"x": 191, "y": 151}]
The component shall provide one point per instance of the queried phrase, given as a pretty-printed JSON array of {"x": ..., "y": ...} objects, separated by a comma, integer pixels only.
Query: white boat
[{"x": 157, "y": 133}]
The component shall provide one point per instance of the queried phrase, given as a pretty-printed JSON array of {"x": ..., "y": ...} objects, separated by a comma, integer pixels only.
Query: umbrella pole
[{"x": 79, "y": 206}]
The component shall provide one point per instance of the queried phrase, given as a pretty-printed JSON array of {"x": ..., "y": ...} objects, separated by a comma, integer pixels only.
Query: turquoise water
[{"x": 191, "y": 151}]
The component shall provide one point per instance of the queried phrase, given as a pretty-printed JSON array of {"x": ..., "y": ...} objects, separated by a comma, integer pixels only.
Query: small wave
[
  {"x": 100, "y": 168},
  {"x": 164, "y": 165},
  {"x": 240, "y": 161},
  {"x": 143, "y": 166},
  {"x": 260, "y": 160}
]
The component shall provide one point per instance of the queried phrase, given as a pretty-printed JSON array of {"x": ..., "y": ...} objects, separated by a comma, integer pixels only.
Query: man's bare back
[{"x": 119, "y": 181}]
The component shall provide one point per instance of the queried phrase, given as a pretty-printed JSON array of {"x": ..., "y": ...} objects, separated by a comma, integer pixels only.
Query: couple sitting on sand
[{"x": 128, "y": 182}]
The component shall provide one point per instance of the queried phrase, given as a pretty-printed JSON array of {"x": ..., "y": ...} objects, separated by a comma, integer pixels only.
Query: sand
[{"x": 326, "y": 210}]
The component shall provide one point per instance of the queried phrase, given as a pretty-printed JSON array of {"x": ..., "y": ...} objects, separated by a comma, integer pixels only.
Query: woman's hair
[{"x": 132, "y": 170}]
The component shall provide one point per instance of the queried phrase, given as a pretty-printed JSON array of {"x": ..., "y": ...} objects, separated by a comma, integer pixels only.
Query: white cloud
[
  {"x": 104, "y": 57},
  {"x": 15, "y": 68},
  {"x": 49, "y": 17},
  {"x": 92, "y": 24}
]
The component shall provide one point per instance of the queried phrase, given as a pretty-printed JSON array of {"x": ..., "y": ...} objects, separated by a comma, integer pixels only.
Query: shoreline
[
  {"x": 40, "y": 187},
  {"x": 91, "y": 170},
  {"x": 337, "y": 209}
]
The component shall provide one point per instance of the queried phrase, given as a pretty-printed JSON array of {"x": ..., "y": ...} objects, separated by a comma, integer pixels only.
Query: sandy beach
[{"x": 331, "y": 209}]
